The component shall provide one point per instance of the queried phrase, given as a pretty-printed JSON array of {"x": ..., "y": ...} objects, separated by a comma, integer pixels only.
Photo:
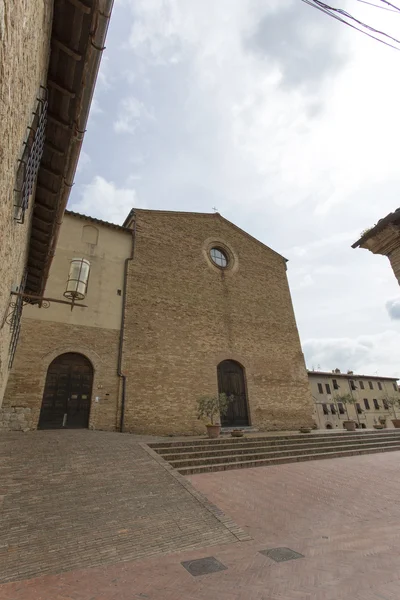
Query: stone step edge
[
  {"x": 182, "y": 454},
  {"x": 277, "y": 461},
  {"x": 300, "y": 436},
  {"x": 265, "y": 456},
  {"x": 158, "y": 447}
]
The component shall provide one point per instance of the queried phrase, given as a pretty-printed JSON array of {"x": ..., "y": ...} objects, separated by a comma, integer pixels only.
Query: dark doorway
[
  {"x": 67, "y": 393},
  {"x": 231, "y": 382}
]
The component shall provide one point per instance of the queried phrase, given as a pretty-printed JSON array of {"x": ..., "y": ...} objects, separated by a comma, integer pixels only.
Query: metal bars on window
[
  {"x": 31, "y": 157},
  {"x": 15, "y": 323}
]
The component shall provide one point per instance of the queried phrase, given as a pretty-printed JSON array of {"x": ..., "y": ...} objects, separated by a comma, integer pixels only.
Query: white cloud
[
  {"x": 363, "y": 354},
  {"x": 104, "y": 200},
  {"x": 132, "y": 114},
  {"x": 393, "y": 308}
]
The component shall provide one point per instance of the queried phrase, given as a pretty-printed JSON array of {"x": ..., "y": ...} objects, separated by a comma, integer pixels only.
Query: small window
[
  {"x": 358, "y": 408},
  {"x": 366, "y": 404},
  {"x": 333, "y": 409},
  {"x": 335, "y": 384},
  {"x": 328, "y": 388},
  {"x": 371, "y": 385},
  {"x": 320, "y": 388},
  {"x": 341, "y": 408},
  {"x": 395, "y": 386},
  {"x": 385, "y": 404},
  {"x": 379, "y": 385},
  {"x": 219, "y": 257},
  {"x": 325, "y": 409},
  {"x": 361, "y": 385},
  {"x": 352, "y": 384},
  {"x": 376, "y": 404}
]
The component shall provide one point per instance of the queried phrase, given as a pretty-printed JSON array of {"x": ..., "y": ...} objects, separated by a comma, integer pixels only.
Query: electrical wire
[
  {"x": 330, "y": 11},
  {"x": 394, "y": 10}
]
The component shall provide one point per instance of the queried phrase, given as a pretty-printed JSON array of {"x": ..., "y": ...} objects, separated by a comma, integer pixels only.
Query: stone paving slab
[
  {"x": 73, "y": 499},
  {"x": 342, "y": 515}
]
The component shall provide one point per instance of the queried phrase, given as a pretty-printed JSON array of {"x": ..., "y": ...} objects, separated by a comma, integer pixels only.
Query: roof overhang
[{"x": 77, "y": 40}]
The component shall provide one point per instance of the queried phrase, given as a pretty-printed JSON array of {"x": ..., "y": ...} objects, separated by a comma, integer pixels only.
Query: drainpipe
[{"x": 122, "y": 329}]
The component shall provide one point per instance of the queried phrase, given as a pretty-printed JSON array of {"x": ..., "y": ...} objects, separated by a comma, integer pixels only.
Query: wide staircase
[{"x": 202, "y": 456}]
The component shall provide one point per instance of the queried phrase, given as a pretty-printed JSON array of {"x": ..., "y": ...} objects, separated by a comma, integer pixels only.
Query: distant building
[
  {"x": 371, "y": 394},
  {"x": 179, "y": 306},
  {"x": 49, "y": 56},
  {"x": 384, "y": 238}
]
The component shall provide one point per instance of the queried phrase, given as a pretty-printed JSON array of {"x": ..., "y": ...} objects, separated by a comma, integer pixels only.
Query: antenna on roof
[{"x": 215, "y": 209}]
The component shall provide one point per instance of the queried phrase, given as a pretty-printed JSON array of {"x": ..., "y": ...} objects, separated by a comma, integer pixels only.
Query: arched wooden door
[
  {"x": 231, "y": 382},
  {"x": 67, "y": 393}
]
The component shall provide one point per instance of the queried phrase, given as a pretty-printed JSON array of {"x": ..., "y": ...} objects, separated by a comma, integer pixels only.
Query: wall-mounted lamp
[{"x": 78, "y": 278}]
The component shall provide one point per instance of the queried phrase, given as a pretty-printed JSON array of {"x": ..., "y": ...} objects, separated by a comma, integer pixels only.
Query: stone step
[
  {"x": 204, "y": 445},
  {"x": 210, "y": 452},
  {"x": 273, "y": 438},
  {"x": 282, "y": 460},
  {"x": 234, "y": 458}
]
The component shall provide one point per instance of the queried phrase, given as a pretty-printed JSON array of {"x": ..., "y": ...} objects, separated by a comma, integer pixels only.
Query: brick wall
[
  {"x": 24, "y": 48},
  {"x": 40, "y": 343},
  {"x": 184, "y": 316}
]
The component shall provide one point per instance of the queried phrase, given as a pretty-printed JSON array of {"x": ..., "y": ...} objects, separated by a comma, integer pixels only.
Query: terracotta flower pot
[
  {"x": 380, "y": 426},
  {"x": 213, "y": 431},
  {"x": 349, "y": 425},
  {"x": 396, "y": 423},
  {"x": 237, "y": 433},
  {"x": 305, "y": 429}
]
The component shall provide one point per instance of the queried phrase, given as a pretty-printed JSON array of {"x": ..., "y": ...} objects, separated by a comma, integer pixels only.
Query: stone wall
[
  {"x": 394, "y": 258},
  {"x": 40, "y": 343},
  {"x": 25, "y": 28},
  {"x": 184, "y": 316}
]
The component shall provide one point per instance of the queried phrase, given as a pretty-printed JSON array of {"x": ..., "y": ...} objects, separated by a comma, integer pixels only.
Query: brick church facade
[{"x": 179, "y": 305}]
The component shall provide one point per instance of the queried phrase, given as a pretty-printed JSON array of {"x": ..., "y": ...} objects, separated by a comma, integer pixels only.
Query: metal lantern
[{"x": 77, "y": 279}]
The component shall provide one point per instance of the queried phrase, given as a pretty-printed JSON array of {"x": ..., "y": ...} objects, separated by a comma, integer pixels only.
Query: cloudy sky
[{"x": 284, "y": 120}]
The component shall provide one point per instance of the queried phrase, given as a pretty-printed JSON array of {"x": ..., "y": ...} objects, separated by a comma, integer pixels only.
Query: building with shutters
[
  {"x": 372, "y": 399},
  {"x": 179, "y": 305},
  {"x": 49, "y": 56}
]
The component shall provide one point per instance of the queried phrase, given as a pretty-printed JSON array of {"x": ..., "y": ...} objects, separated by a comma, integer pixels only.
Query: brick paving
[
  {"x": 80, "y": 498},
  {"x": 342, "y": 514}
]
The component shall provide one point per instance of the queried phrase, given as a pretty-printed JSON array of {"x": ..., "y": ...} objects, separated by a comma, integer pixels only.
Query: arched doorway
[
  {"x": 67, "y": 393},
  {"x": 231, "y": 382}
]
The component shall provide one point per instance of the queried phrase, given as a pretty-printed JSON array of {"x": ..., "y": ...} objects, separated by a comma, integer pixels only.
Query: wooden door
[
  {"x": 231, "y": 382},
  {"x": 67, "y": 393}
]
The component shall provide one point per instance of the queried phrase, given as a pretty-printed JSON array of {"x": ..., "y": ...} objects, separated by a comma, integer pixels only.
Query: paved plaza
[{"x": 342, "y": 516}]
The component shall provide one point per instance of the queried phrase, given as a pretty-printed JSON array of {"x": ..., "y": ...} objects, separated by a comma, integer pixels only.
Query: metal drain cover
[
  {"x": 281, "y": 554},
  {"x": 203, "y": 566}
]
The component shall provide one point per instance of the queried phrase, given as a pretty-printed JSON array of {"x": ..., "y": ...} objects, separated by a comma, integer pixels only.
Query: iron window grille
[
  {"x": 31, "y": 156},
  {"x": 15, "y": 323}
]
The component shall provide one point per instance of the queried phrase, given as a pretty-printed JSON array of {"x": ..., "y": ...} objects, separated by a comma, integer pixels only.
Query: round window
[{"x": 219, "y": 257}]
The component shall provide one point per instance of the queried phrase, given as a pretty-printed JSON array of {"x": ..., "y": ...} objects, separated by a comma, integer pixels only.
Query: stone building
[
  {"x": 372, "y": 396},
  {"x": 179, "y": 305},
  {"x": 49, "y": 56},
  {"x": 384, "y": 238}
]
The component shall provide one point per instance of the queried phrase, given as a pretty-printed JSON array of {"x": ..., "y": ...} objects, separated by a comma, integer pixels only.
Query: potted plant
[
  {"x": 346, "y": 399},
  {"x": 212, "y": 408},
  {"x": 392, "y": 402}
]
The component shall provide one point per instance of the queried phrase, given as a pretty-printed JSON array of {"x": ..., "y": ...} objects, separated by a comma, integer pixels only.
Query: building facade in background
[
  {"x": 179, "y": 305},
  {"x": 49, "y": 56},
  {"x": 384, "y": 238},
  {"x": 373, "y": 398}
]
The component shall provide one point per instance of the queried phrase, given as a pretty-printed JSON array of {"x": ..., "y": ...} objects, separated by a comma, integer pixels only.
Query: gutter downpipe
[
  {"x": 122, "y": 330},
  {"x": 98, "y": 33}
]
